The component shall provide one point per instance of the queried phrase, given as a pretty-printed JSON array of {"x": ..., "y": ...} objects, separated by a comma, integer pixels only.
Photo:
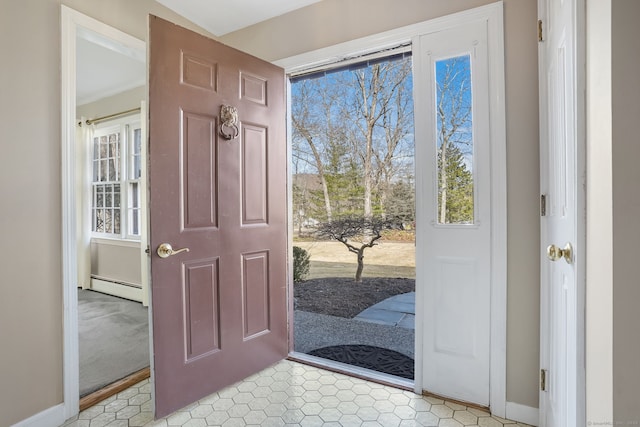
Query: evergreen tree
[{"x": 459, "y": 200}]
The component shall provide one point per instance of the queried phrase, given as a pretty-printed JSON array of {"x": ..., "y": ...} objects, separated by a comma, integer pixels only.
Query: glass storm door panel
[{"x": 453, "y": 153}]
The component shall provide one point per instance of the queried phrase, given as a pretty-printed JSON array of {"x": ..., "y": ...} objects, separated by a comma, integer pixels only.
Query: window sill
[{"x": 116, "y": 242}]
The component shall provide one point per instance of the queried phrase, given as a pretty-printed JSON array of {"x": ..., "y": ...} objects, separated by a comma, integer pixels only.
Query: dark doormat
[{"x": 370, "y": 357}]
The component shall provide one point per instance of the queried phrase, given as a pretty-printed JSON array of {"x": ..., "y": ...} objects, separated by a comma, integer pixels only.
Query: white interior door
[
  {"x": 454, "y": 244},
  {"x": 559, "y": 298}
]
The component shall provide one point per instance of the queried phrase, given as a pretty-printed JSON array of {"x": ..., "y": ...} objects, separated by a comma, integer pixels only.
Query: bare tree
[
  {"x": 453, "y": 110},
  {"x": 357, "y": 233},
  {"x": 305, "y": 126},
  {"x": 397, "y": 123},
  {"x": 354, "y": 129},
  {"x": 381, "y": 112}
]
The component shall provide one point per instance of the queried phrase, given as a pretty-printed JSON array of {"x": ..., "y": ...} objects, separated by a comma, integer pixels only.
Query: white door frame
[
  {"x": 72, "y": 22},
  {"x": 580, "y": 180},
  {"x": 493, "y": 14}
]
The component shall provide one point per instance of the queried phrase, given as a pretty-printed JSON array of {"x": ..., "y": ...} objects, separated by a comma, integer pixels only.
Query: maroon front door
[{"x": 219, "y": 309}]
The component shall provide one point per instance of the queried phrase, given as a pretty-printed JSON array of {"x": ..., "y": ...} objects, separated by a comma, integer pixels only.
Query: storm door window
[
  {"x": 454, "y": 127},
  {"x": 115, "y": 189}
]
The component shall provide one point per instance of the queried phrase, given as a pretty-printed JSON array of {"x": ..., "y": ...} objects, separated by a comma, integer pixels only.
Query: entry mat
[{"x": 370, "y": 357}]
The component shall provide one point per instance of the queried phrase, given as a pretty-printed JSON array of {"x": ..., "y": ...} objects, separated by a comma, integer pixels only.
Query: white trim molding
[
  {"x": 493, "y": 15},
  {"x": 71, "y": 359},
  {"x": 522, "y": 413},
  {"x": 51, "y": 417}
]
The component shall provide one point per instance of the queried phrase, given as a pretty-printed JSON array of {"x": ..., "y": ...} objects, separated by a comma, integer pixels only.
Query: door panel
[
  {"x": 255, "y": 287},
  {"x": 219, "y": 310},
  {"x": 455, "y": 251},
  {"x": 199, "y": 171},
  {"x": 254, "y": 175},
  {"x": 558, "y": 294},
  {"x": 202, "y": 308}
]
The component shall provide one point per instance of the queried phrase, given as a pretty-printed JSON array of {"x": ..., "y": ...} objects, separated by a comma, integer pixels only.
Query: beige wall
[
  {"x": 330, "y": 22},
  {"x": 334, "y": 21},
  {"x": 114, "y": 261},
  {"x": 30, "y": 265},
  {"x": 128, "y": 16},
  {"x": 123, "y": 101},
  {"x": 523, "y": 194},
  {"x": 30, "y": 221},
  {"x": 625, "y": 60}
]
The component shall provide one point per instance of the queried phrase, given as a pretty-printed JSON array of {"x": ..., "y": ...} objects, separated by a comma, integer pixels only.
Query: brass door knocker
[{"x": 228, "y": 120}]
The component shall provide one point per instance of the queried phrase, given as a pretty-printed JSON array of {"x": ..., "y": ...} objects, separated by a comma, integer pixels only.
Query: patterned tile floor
[{"x": 291, "y": 394}]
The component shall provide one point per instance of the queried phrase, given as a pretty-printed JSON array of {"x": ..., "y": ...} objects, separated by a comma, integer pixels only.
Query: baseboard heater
[{"x": 116, "y": 288}]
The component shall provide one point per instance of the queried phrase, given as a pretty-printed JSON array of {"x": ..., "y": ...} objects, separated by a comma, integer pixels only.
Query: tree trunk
[
  {"x": 443, "y": 183},
  {"x": 327, "y": 201},
  {"x": 323, "y": 180},
  {"x": 370, "y": 114},
  {"x": 360, "y": 265},
  {"x": 367, "y": 183}
]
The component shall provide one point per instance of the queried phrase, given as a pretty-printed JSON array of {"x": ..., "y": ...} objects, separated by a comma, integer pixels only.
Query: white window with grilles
[{"x": 116, "y": 172}]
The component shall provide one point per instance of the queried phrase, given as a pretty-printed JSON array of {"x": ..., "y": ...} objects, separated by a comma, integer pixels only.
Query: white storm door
[
  {"x": 559, "y": 295},
  {"x": 453, "y": 170}
]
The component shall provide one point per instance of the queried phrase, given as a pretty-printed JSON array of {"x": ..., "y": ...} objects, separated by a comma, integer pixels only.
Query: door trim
[
  {"x": 493, "y": 14},
  {"x": 72, "y": 22}
]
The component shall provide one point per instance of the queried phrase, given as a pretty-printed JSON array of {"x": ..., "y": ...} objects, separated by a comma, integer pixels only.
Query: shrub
[
  {"x": 300, "y": 264},
  {"x": 395, "y": 235}
]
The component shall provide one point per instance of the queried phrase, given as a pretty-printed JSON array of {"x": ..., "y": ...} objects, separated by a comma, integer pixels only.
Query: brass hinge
[
  {"x": 543, "y": 205},
  {"x": 543, "y": 380},
  {"x": 540, "y": 38}
]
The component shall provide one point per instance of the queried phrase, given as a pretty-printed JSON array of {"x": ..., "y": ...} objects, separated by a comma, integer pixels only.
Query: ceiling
[
  {"x": 220, "y": 17},
  {"x": 104, "y": 69}
]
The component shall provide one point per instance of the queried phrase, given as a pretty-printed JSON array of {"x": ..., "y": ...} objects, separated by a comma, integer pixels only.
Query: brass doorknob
[
  {"x": 554, "y": 253},
  {"x": 165, "y": 250}
]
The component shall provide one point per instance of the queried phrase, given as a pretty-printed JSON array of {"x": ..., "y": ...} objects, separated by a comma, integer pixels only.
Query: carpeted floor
[{"x": 114, "y": 339}]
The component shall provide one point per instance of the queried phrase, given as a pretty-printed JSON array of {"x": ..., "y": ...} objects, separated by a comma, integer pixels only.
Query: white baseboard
[
  {"x": 52, "y": 417},
  {"x": 124, "y": 291},
  {"x": 522, "y": 413}
]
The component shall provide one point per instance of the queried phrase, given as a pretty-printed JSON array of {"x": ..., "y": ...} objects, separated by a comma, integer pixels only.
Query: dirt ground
[{"x": 343, "y": 297}]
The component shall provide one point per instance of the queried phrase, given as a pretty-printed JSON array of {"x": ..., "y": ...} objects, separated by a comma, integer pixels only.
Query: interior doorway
[
  {"x": 112, "y": 279},
  {"x": 106, "y": 288}
]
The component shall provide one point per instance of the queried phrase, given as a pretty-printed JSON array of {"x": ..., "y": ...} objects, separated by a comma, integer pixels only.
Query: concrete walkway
[
  {"x": 387, "y": 324},
  {"x": 313, "y": 331},
  {"x": 398, "y": 310}
]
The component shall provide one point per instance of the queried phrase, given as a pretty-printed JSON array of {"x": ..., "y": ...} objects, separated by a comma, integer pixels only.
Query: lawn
[{"x": 388, "y": 259}]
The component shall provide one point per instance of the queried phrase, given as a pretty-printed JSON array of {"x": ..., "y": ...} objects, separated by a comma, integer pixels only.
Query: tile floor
[{"x": 291, "y": 394}]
